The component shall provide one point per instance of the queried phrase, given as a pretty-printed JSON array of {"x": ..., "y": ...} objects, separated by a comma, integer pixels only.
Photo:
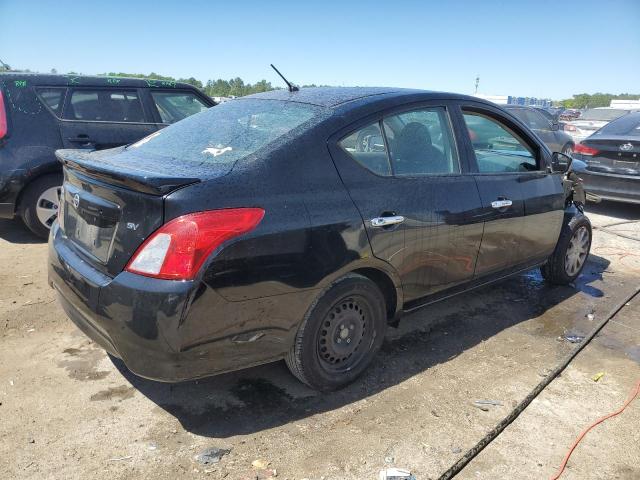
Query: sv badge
[{"x": 132, "y": 226}]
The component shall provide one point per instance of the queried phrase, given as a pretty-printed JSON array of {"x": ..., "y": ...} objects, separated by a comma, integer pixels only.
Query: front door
[
  {"x": 99, "y": 118},
  {"x": 403, "y": 173},
  {"x": 521, "y": 200}
]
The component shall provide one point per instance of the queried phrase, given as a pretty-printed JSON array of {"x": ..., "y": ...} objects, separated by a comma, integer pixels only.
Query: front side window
[
  {"x": 497, "y": 148},
  {"x": 174, "y": 106},
  {"x": 105, "y": 106},
  {"x": 53, "y": 98},
  {"x": 421, "y": 142}
]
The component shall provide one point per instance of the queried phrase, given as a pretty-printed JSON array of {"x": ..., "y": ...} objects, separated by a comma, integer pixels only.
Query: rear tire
[
  {"x": 340, "y": 334},
  {"x": 39, "y": 204},
  {"x": 571, "y": 253}
]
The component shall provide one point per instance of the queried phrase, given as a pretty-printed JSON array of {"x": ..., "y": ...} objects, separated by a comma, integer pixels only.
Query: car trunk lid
[
  {"x": 109, "y": 208},
  {"x": 619, "y": 155}
]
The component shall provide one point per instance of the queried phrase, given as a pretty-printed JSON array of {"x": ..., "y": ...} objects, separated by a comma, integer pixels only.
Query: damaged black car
[{"x": 298, "y": 225}]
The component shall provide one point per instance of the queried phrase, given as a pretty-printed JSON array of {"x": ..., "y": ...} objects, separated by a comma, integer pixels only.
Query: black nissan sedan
[
  {"x": 299, "y": 225},
  {"x": 612, "y": 157}
]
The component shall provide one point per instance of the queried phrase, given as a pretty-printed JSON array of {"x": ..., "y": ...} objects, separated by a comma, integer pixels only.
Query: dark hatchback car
[
  {"x": 42, "y": 113},
  {"x": 545, "y": 126},
  {"x": 299, "y": 225},
  {"x": 612, "y": 158}
]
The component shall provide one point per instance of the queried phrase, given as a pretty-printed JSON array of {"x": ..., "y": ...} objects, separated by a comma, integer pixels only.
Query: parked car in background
[
  {"x": 545, "y": 126},
  {"x": 612, "y": 157},
  {"x": 298, "y": 225},
  {"x": 42, "y": 113},
  {"x": 591, "y": 120},
  {"x": 569, "y": 114}
]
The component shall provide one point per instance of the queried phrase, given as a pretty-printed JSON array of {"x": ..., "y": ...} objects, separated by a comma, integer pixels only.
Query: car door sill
[{"x": 452, "y": 292}]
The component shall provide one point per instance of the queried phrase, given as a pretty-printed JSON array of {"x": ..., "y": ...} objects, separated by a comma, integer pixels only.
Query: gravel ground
[{"x": 68, "y": 411}]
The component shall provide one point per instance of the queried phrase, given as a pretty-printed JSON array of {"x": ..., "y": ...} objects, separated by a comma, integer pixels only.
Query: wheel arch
[
  {"x": 392, "y": 293},
  {"x": 34, "y": 175}
]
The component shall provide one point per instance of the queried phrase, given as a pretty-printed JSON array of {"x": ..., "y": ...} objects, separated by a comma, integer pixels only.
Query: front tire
[
  {"x": 39, "y": 204},
  {"x": 340, "y": 334},
  {"x": 570, "y": 255}
]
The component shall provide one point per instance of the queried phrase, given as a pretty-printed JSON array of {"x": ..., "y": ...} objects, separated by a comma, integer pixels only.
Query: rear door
[
  {"x": 100, "y": 118},
  {"x": 522, "y": 203},
  {"x": 403, "y": 172}
]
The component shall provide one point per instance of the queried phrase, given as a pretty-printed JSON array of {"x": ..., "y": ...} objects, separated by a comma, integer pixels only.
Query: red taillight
[
  {"x": 3, "y": 117},
  {"x": 177, "y": 250},
  {"x": 584, "y": 150}
]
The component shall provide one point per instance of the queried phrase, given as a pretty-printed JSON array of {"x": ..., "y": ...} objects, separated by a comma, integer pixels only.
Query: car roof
[
  {"x": 335, "y": 96},
  {"x": 91, "y": 80}
]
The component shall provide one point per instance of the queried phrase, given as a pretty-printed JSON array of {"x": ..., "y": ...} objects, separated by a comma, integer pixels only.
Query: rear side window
[
  {"x": 366, "y": 146},
  {"x": 419, "y": 142},
  {"x": 53, "y": 98},
  {"x": 174, "y": 106},
  {"x": 497, "y": 148},
  {"x": 105, "y": 106},
  {"x": 231, "y": 131}
]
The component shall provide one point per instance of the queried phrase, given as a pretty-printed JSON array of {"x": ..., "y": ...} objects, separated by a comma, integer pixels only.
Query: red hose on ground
[{"x": 634, "y": 394}]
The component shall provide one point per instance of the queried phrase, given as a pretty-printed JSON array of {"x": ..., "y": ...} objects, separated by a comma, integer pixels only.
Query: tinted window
[
  {"x": 420, "y": 142},
  {"x": 366, "y": 146},
  {"x": 536, "y": 121},
  {"x": 105, "y": 106},
  {"x": 53, "y": 98},
  {"x": 497, "y": 148},
  {"x": 174, "y": 106},
  {"x": 626, "y": 125},
  {"x": 230, "y": 131},
  {"x": 530, "y": 118}
]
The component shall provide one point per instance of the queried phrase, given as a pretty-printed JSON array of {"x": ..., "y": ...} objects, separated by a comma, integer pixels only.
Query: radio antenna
[{"x": 292, "y": 87}]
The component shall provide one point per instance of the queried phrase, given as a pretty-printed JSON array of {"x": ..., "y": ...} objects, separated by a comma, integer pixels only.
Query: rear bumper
[
  {"x": 609, "y": 186},
  {"x": 169, "y": 330}
]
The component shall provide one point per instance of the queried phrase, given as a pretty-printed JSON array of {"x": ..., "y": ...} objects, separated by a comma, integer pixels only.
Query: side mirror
[
  {"x": 561, "y": 162},
  {"x": 555, "y": 126}
]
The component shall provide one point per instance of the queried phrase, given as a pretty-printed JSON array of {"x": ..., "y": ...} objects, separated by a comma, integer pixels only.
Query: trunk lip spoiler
[{"x": 131, "y": 179}]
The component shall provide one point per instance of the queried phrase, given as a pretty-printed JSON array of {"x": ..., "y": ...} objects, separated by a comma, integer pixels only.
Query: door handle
[
  {"x": 502, "y": 203},
  {"x": 386, "y": 221},
  {"x": 80, "y": 139}
]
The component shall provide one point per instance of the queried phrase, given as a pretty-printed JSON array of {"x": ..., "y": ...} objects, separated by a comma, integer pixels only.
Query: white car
[{"x": 592, "y": 120}]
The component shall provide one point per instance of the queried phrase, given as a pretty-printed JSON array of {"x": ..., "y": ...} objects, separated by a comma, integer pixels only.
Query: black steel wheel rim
[{"x": 345, "y": 334}]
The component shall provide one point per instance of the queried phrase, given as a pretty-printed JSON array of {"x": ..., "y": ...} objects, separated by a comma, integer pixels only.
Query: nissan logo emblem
[
  {"x": 76, "y": 200},
  {"x": 625, "y": 147}
]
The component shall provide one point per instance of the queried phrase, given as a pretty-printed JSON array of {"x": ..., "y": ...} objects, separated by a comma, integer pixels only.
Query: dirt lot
[{"x": 69, "y": 412}]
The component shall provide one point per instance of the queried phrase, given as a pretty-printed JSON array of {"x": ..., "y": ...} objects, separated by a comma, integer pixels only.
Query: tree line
[
  {"x": 236, "y": 87},
  {"x": 585, "y": 100}
]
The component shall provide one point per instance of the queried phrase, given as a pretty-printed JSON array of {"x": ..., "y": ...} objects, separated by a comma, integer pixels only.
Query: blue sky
[{"x": 537, "y": 48}]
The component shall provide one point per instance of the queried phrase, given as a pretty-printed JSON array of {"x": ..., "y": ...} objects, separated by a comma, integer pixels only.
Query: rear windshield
[
  {"x": 602, "y": 114},
  {"x": 230, "y": 131},
  {"x": 627, "y": 125}
]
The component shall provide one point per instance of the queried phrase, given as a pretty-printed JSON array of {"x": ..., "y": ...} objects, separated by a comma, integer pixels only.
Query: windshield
[
  {"x": 627, "y": 125},
  {"x": 229, "y": 132},
  {"x": 602, "y": 114}
]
